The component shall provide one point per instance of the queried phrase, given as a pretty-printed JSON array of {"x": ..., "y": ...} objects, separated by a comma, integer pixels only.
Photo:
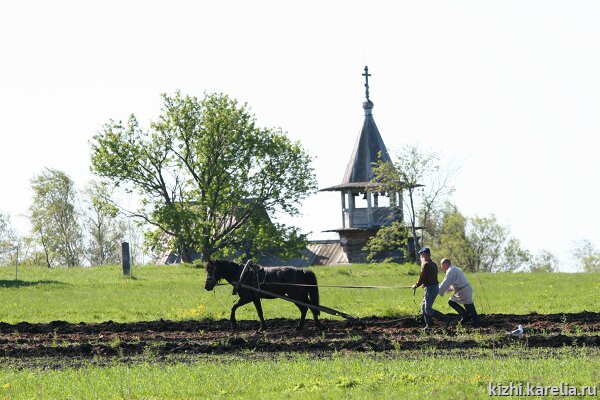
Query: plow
[{"x": 327, "y": 310}]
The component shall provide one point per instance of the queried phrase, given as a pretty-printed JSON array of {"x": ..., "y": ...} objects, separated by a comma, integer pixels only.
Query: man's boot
[
  {"x": 464, "y": 315},
  {"x": 428, "y": 323},
  {"x": 473, "y": 314}
]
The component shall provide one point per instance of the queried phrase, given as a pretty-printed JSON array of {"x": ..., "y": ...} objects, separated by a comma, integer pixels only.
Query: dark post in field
[{"x": 125, "y": 259}]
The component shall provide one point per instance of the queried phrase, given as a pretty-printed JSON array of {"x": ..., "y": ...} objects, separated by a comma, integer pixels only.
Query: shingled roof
[{"x": 366, "y": 150}]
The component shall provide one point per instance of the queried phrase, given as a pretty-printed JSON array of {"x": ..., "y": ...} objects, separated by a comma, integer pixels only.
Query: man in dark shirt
[{"x": 428, "y": 280}]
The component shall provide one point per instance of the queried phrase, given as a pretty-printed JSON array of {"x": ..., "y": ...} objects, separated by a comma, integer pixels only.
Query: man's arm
[
  {"x": 421, "y": 280},
  {"x": 448, "y": 279}
]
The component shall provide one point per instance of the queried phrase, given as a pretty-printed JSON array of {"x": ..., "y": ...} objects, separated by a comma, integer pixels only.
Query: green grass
[
  {"x": 177, "y": 292},
  {"x": 299, "y": 377}
]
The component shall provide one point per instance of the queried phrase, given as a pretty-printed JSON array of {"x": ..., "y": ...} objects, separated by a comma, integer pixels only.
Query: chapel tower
[{"x": 364, "y": 208}]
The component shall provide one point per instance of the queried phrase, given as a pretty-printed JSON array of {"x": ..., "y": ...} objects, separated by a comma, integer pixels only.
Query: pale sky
[{"x": 508, "y": 89}]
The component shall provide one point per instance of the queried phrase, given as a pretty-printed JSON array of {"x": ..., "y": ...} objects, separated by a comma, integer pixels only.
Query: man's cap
[{"x": 425, "y": 250}]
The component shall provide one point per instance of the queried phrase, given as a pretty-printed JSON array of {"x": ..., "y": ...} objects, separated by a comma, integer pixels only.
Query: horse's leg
[
  {"x": 314, "y": 298},
  {"x": 316, "y": 318},
  {"x": 303, "y": 310},
  {"x": 258, "y": 305},
  {"x": 239, "y": 303},
  {"x": 301, "y": 295}
]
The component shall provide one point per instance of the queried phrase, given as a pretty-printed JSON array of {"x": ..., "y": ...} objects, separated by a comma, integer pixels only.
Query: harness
[
  {"x": 243, "y": 274},
  {"x": 248, "y": 269}
]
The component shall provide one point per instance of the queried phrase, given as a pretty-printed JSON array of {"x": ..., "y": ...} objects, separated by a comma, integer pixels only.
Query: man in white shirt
[{"x": 456, "y": 281}]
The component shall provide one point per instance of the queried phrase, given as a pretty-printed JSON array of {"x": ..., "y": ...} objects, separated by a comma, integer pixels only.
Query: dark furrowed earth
[{"x": 58, "y": 339}]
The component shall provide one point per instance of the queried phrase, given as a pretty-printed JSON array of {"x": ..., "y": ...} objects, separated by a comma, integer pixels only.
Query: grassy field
[
  {"x": 177, "y": 293},
  {"x": 340, "y": 376}
]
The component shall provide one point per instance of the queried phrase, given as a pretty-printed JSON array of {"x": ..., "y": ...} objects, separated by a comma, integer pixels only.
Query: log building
[{"x": 363, "y": 209}]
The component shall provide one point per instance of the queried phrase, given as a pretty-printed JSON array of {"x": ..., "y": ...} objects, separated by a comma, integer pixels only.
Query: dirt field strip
[{"x": 164, "y": 338}]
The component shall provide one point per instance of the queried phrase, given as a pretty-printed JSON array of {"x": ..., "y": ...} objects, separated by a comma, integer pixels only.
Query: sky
[{"x": 507, "y": 90}]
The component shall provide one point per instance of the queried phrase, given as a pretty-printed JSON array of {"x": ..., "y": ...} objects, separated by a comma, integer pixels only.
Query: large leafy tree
[
  {"x": 263, "y": 239},
  {"x": 204, "y": 170},
  {"x": 54, "y": 218}
]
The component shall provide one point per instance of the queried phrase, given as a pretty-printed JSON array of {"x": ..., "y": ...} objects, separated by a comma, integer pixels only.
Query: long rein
[
  {"x": 328, "y": 310},
  {"x": 324, "y": 286}
]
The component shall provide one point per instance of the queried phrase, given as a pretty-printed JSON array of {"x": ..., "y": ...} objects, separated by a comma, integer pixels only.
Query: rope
[
  {"x": 392, "y": 321},
  {"x": 483, "y": 290},
  {"x": 335, "y": 286},
  {"x": 256, "y": 270}
]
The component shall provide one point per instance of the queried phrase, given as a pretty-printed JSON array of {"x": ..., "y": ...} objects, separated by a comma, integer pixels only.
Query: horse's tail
[{"x": 313, "y": 291}]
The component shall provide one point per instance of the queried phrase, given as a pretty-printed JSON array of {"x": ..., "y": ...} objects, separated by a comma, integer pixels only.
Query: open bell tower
[{"x": 364, "y": 208}]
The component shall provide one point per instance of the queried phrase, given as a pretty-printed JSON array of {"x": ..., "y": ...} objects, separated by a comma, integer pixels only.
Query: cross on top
[{"x": 366, "y": 75}]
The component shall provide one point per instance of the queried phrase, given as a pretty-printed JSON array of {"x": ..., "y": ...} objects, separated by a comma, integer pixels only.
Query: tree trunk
[
  {"x": 186, "y": 252},
  {"x": 45, "y": 247},
  {"x": 413, "y": 222}
]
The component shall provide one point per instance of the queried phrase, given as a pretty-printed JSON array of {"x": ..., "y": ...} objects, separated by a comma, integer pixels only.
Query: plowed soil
[{"x": 167, "y": 338}]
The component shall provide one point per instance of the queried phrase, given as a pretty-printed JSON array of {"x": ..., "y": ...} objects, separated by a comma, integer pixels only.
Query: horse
[{"x": 277, "y": 280}]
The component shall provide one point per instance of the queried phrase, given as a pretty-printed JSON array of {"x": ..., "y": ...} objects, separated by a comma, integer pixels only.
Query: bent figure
[
  {"x": 456, "y": 281},
  {"x": 276, "y": 280}
]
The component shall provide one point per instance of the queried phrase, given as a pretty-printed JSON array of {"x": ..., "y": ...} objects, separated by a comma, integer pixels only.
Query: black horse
[{"x": 275, "y": 280}]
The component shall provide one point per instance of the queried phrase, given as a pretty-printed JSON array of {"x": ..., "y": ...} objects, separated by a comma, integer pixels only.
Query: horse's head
[{"x": 212, "y": 275}]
